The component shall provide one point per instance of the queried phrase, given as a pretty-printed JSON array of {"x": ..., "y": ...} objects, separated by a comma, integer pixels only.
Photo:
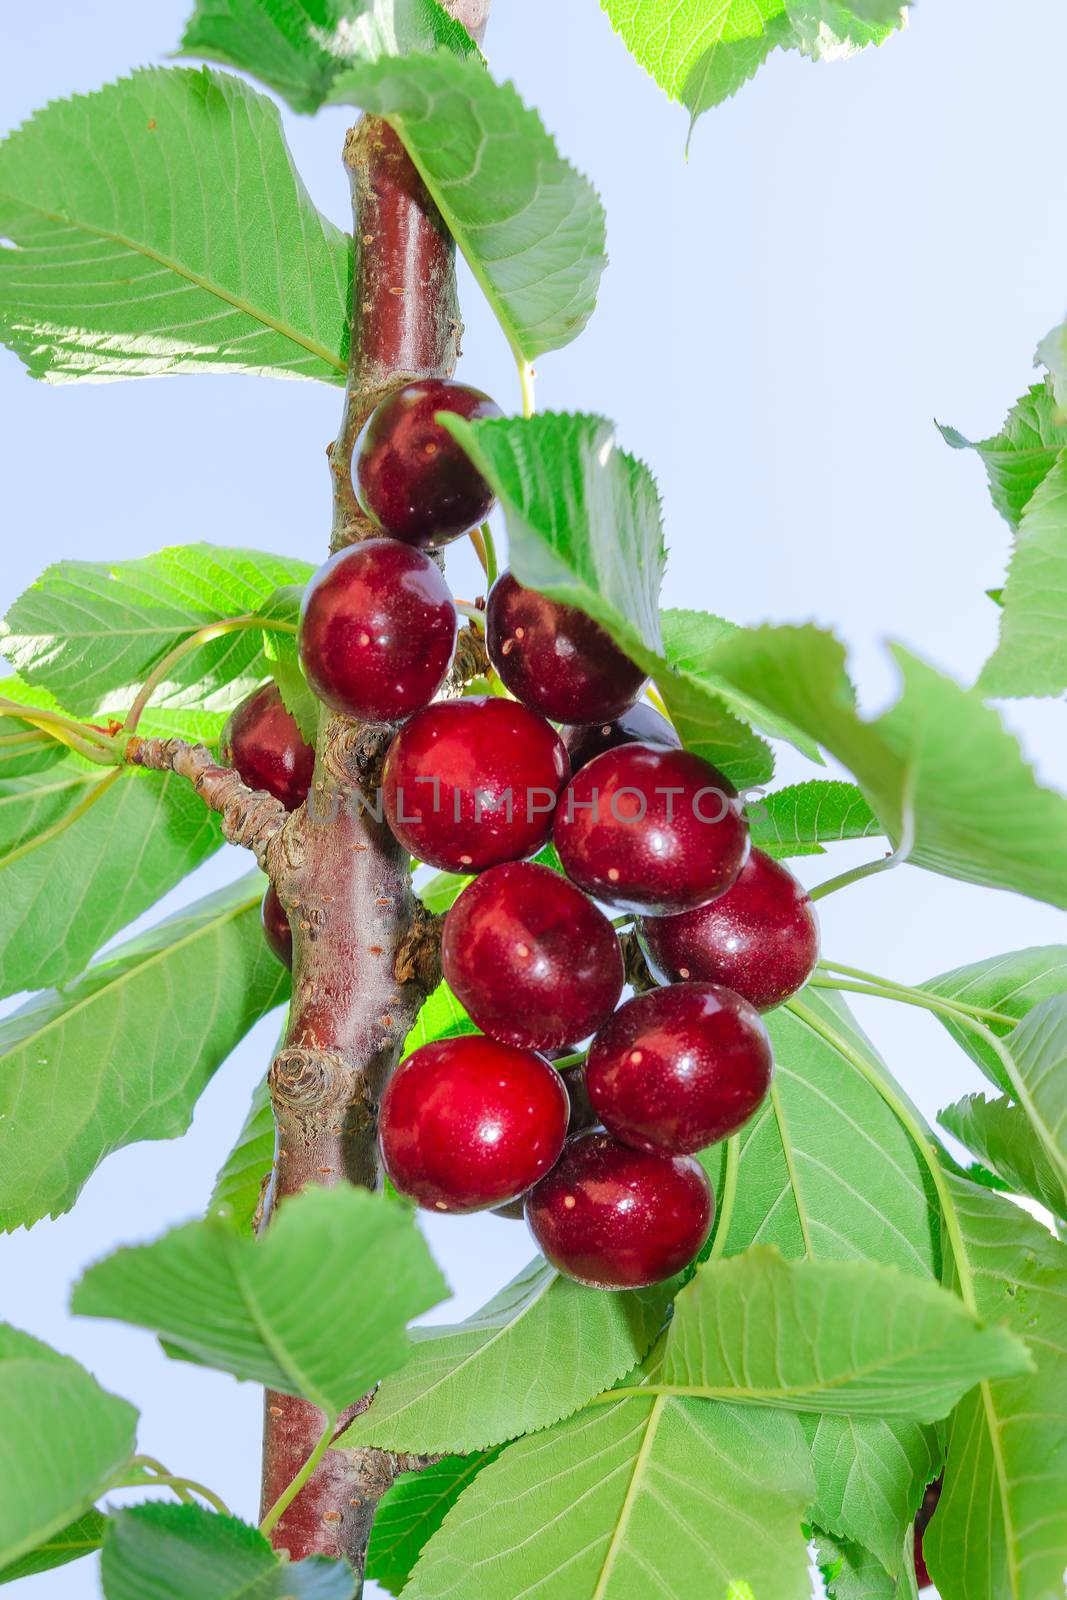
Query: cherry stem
[
  {"x": 154, "y": 1474},
  {"x": 492, "y": 566},
  {"x": 293, "y": 1488},
  {"x": 887, "y": 989},
  {"x": 729, "y": 1196},
  {"x": 31, "y": 736},
  {"x": 87, "y": 741},
  {"x": 563, "y": 1062},
  {"x": 213, "y": 630},
  {"x": 526, "y": 384},
  {"x": 896, "y": 858},
  {"x": 473, "y": 613},
  {"x": 477, "y": 539}
]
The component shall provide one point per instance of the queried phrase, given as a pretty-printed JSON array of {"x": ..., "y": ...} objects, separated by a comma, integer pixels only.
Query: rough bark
[{"x": 364, "y": 950}]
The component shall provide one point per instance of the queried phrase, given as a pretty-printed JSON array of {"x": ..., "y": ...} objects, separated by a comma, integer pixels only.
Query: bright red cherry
[
  {"x": 678, "y": 1069},
  {"x": 642, "y": 724},
  {"x": 651, "y": 830},
  {"x": 471, "y": 782},
  {"x": 276, "y": 929},
  {"x": 761, "y": 937},
  {"x": 931, "y": 1498},
  {"x": 616, "y": 1218},
  {"x": 469, "y": 1123},
  {"x": 377, "y": 630},
  {"x": 263, "y": 743},
  {"x": 530, "y": 957},
  {"x": 412, "y": 478},
  {"x": 556, "y": 659}
]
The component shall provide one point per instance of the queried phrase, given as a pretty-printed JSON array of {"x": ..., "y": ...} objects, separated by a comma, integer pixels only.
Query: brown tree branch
[
  {"x": 250, "y": 818},
  {"x": 365, "y": 953}
]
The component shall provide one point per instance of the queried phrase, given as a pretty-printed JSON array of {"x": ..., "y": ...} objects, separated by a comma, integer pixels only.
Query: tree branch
[
  {"x": 250, "y": 818},
  {"x": 365, "y": 952}
]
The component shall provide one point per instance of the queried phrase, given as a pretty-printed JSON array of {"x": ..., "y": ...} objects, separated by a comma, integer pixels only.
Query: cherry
[
  {"x": 263, "y": 743},
  {"x": 377, "y": 630},
  {"x": 582, "y": 1116},
  {"x": 530, "y": 957},
  {"x": 677, "y": 1069},
  {"x": 412, "y": 479},
  {"x": 276, "y": 929},
  {"x": 469, "y": 1123},
  {"x": 616, "y": 1218},
  {"x": 471, "y": 782},
  {"x": 761, "y": 937},
  {"x": 651, "y": 829},
  {"x": 931, "y": 1498},
  {"x": 556, "y": 659},
  {"x": 640, "y": 725}
]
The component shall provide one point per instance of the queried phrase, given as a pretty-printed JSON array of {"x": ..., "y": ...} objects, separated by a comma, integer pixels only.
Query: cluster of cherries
[{"x": 599, "y": 1152}]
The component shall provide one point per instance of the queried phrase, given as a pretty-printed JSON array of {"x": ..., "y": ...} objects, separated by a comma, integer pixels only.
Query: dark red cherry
[
  {"x": 530, "y": 957},
  {"x": 469, "y": 1123},
  {"x": 651, "y": 830},
  {"x": 677, "y": 1069},
  {"x": 412, "y": 478},
  {"x": 931, "y": 1498},
  {"x": 761, "y": 937},
  {"x": 616, "y": 1218},
  {"x": 642, "y": 724},
  {"x": 556, "y": 659},
  {"x": 377, "y": 630},
  {"x": 276, "y": 929},
  {"x": 468, "y": 783},
  {"x": 582, "y": 1116},
  {"x": 263, "y": 743}
]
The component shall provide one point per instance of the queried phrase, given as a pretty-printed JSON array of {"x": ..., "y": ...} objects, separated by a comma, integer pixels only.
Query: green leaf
[
  {"x": 640, "y": 1497},
  {"x": 854, "y": 1573},
  {"x": 160, "y": 1551},
  {"x": 80, "y": 1538},
  {"x": 939, "y": 756},
  {"x": 159, "y": 226},
  {"x": 701, "y": 53},
  {"x": 183, "y": 722},
  {"x": 802, "y": 818},
  {"x": 111, "y": 1059},
  {"x": 268, "y": 1310},
  {"x": 1010, "y": 985},
  {"x": 502, "y": 1372},
  {"x": 823, "y": 1125},
  {"x": 442, "y": 1017},
  {"x": 91, "y": 631},
  {"x": 62, "y": 1441},
  {"x": 24, "y": 749},
  {"x": 181, "y": 1552},
  {"x": 871, "y": 1478},
  {"x": 1001, "y": 1526},
  {"x": 1019, "y": 458},
  {"x": 240, "y": 1180},
  {"x": 689, "y": 640},
  {"x": 584, "y": 527},
  {"x": 999, "y": 1133},
  {"x": 411, "y": 1513},
  {"x": 677, "y": 46},
  {"x": 798, "y": 1189},
  {"x": 1036, "y": 1065},
  {"x": 299, "y": 47},
  {"x": 530, "y": 226},
  {"x": 829, "y": 31},
  {"x": 83, "y": 851},
  {"x": 1031, "y": 656},
  {"x": 845, "y": 1338}
]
